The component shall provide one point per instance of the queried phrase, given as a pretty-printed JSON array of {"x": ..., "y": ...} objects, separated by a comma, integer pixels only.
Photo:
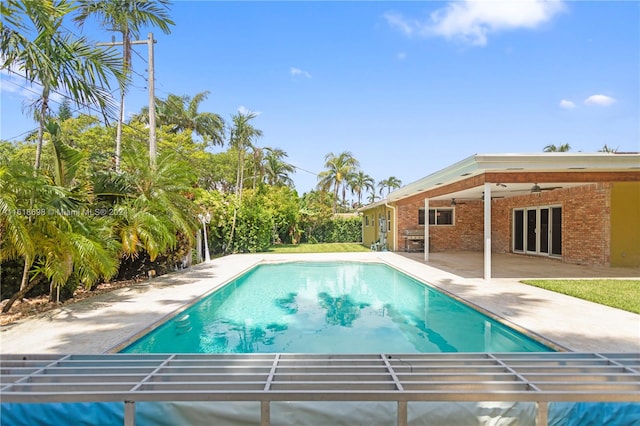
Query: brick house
[{"x": 581, "y": 208}]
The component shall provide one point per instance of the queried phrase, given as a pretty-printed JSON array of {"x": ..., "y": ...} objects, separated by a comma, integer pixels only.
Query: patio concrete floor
[{"x": 103, "y": 323}]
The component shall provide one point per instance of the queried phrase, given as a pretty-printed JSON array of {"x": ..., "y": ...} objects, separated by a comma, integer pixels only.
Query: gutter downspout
[{"x": 395, "y": 227}]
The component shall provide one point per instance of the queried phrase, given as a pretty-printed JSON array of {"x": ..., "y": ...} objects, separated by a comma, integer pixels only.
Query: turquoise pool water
[{"x": 329, "y": 307}]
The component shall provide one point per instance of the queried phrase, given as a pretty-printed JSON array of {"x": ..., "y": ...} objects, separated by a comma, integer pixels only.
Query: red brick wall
[
  {"x": 466, "y": 234},
  {"x": 585, "y": 221},
  {"x": 586, "y": 226}
]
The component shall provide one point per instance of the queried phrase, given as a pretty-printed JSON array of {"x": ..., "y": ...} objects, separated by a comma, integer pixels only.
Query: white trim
[
  {"x": 537, "y": 162},
  {"x": 537, "y": 251},
  {"x": 487, "y": 231},
  {"x": 426, "y": 230}
]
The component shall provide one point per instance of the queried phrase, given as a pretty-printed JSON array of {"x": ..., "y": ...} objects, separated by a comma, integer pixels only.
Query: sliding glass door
[{"x": 538, "y": 230}]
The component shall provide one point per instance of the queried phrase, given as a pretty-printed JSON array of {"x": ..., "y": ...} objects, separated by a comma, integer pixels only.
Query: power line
[
  {"x": 57, "y": 92},
  {"x": 304, "y": 170},
  {"x": 140, "y": 56}
]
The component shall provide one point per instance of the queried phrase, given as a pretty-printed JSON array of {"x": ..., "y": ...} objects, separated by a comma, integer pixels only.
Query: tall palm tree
[
  {"x": 37, "y": 44},
  {"x": 242, "y": 138},
  {"x": 258, "y": 165},
  {"x": 181, "y": 114},
  {"x": 361, "y": 182},
  {"x": 56, "y": 59},
  {"x": 561, "y": 148},
  {"x": 338, "y": 169},
  {"x": 390, "y": 183},
  {"x": 276, "y": 169},
  {"x": 126, "y": 17}
]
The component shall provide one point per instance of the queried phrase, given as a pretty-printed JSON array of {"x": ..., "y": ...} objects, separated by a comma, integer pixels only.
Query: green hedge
[{"x": 337, "y": 230}]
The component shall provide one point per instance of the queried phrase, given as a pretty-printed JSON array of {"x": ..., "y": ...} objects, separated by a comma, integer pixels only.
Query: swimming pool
[{"x": 330, "y": 307}]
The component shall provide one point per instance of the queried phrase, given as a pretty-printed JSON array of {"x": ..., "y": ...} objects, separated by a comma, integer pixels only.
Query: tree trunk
[
  {"x": 25, "y": 274},
  {"x": 119, "y": 132},
  {"x": 40, "y": 141},
  {"x": 20, "y": 294},
  {"x": 233, "y": 228}
]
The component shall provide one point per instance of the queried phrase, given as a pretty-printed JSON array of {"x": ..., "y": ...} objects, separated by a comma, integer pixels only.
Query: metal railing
[{"x": 533, "y": 377}]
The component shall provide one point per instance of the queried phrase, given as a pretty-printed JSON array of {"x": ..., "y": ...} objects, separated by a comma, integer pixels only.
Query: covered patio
[{"x": 564, "y": 208}]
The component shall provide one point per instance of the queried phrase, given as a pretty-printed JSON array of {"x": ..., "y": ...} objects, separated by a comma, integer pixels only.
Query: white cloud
[
  {"x": 244, "y": 111},
  {"x": 396, "y": 20},
  {"x": 18, "y": 87},
  {"x": 567, "y": 104},
  {"x": 599, "y": 100},
  {"x": 297, "y": 71},
  {"x": 472, "y": 21},
  {"x": 401, "y": 56}
]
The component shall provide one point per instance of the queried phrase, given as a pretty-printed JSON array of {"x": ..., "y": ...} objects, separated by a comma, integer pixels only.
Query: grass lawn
[
  {"x": 621, "y": 294},
  {"x": 318, "y": 248}
]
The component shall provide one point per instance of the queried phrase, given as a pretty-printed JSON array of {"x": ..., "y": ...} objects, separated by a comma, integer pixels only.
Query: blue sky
[{"x": 407, "y": 87}]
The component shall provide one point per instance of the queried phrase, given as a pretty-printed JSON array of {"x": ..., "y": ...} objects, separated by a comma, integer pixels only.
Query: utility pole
[
  {"x": 152, "y": 101},
  {"x": 153, "y": 147}
]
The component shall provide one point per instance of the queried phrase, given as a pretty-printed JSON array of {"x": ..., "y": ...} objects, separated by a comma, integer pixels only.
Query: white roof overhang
[{"x": 538, "y": 163}]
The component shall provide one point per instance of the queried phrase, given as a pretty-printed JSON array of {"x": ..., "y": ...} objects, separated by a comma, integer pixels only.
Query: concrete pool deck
[{"x": 102, "y": 323}]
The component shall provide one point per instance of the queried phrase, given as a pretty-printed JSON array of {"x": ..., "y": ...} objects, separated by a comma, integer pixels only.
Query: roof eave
[{"x": 541, "y": 162}]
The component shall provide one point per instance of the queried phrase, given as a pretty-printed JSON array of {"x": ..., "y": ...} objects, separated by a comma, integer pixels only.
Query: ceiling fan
[{"x": 536, "y": 189}]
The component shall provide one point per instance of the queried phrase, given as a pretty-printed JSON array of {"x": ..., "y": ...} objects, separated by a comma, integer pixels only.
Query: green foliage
[
  {"x": 158, "y": 206},
  {"x": 559, "y": 148},
  {"x": 315, "y": 212},
  {"x": 283, "y": 205},
  {"x": 220, "y": 207},
  {"x": 218, "y": 171},
  {"x": 319, "y": 248},
  {"x": 254, "y": 225},
  {"x": 64, "y": 112},
  {"x": 338, "y": 230},
  {"x": 339, "y": 169}
]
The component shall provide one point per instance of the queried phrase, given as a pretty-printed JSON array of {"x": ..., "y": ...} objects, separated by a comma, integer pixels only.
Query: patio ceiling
[{"x": 502, "y": 190}]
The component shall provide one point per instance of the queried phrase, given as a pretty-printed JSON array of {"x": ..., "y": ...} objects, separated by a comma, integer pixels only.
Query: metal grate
[{"x": 535, "y": 377}]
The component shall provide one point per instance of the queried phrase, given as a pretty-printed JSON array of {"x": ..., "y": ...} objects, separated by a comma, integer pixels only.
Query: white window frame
[
  {"x": 435, "y": 215},
  {"x": 525, "y": 230}
]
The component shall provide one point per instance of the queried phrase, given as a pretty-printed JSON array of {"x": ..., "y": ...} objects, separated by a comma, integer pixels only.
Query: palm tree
[
  {"x": 338, "y": 169},
  {"x": 157, "y": 208},
  {"x": 276, "y": 169},
  {"x": 56, "y": 59},
  {"x": 608, "y": 149},
  {"x": 242, "y": 136},
  {"x": 390, "y": 183},
  {"x": 66, "y": 243},
  {"x": 125, "y": 17},
  {"x": 258, "y": 165},
  {"x": 561, "y": 148},
  {"x": 373, "y": 197},
  {"x": 360, "y": 182},
  {"x": 16, "y": 186},
  {"x": 181, "y": 114}
]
